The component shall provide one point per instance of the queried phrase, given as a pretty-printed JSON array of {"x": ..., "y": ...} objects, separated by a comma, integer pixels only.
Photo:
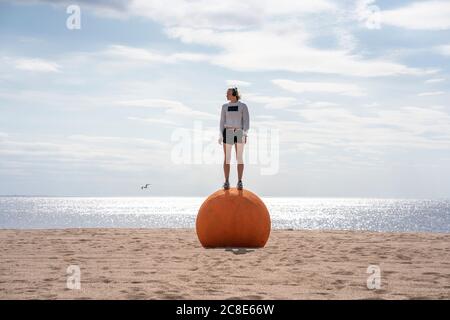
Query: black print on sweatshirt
[{"x": 233, "y": 108}]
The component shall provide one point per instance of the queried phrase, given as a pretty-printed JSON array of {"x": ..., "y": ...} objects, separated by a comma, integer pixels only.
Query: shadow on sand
[{"x": 239, "y": 250}]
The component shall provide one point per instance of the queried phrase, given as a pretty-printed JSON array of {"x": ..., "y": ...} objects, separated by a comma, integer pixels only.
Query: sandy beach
[{"x": 171, "y": 264}]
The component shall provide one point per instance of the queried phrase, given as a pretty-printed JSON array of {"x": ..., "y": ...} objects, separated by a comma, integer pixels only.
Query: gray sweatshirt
[{"x": 235, "y": 114}]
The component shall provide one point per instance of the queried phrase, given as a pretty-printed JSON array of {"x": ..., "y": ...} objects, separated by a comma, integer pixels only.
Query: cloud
[
  {"x": 366, "y": 11},
  {"x": 109, "y": 8},
  {"x": 265, "y": 116},
  {"x": 271, "y": 102},
  {"x": 76, "y": 101},
  {"x": 371, "y": 104},
  {"x": 435, "y": 80},
  {"x": 56, "y": 99},
  {"x": 283, "y": 46},
  {"x": 145, "y": 55},
  {"x": 36, "y": 65},
  {"x": 345, "y": 39},
  {"x": 84, "y": 153},
  {"x": 114, "y": 140},
  {"x": 432, "y": 93},
  {"x": 379, "y": 131},
  {"x": 252, "y": 35},
  {"x": 229, "y": 15},
  {"x": 154, "y": 121},
  {"x": 423, "y": 15},
  {"x": 334, "y": 134},
  {"x": 419, "y": 15},
  {"x": 321, "y": 104},
  {"x": 170, "y": 106},
  {"x": 346, "y": 89},
  {"x": 444, "y": 50},
  {"x": 236, "y": 83}
]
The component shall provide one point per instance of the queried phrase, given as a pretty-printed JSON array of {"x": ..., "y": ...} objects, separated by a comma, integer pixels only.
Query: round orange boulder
[{"x": 233, "y": 218}]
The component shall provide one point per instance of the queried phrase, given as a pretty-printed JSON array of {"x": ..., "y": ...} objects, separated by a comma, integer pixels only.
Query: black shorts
[{"x": 232, "y": 136}]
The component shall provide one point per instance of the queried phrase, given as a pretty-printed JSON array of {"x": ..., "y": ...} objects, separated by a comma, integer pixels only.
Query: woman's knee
[{"x": 227, "y": 158}]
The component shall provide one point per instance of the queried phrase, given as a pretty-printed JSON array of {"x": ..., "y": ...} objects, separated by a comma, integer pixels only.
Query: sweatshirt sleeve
[
  {"x": 245, "y": 119},
  {"x": 222, "y": 120}
]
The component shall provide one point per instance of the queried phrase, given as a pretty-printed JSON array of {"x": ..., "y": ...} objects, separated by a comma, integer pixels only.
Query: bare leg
[
  {"x": 240, "y": 160},
  {"x": 240, "y": 171},
  {"x": 227, "y": 160}
]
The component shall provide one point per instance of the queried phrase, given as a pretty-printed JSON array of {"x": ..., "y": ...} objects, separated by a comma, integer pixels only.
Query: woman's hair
[{"x": 235, "y": 92}]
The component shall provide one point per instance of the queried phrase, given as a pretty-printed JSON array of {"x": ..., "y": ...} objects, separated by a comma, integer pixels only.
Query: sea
[{"x": 371, "y": 214}]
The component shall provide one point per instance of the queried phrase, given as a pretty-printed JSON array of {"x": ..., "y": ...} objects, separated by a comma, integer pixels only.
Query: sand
[{"x": 171, "y": 264}]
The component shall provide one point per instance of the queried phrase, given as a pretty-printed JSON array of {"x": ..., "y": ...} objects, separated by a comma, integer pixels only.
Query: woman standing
[{"x": 234, "y": 125}]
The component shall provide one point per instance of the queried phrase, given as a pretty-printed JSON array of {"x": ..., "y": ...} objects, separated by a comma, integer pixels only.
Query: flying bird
[{"x": 145, "y": 187}]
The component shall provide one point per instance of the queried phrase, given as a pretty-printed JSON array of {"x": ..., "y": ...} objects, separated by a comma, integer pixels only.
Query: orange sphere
[{"x": 233, "y": 218}]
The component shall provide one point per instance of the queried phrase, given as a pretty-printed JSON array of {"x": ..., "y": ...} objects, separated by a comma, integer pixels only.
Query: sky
[{"x": 346, "y": 98}]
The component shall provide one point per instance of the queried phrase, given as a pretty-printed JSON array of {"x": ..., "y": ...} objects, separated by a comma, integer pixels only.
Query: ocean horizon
[{"x": 310, "y": 213}]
